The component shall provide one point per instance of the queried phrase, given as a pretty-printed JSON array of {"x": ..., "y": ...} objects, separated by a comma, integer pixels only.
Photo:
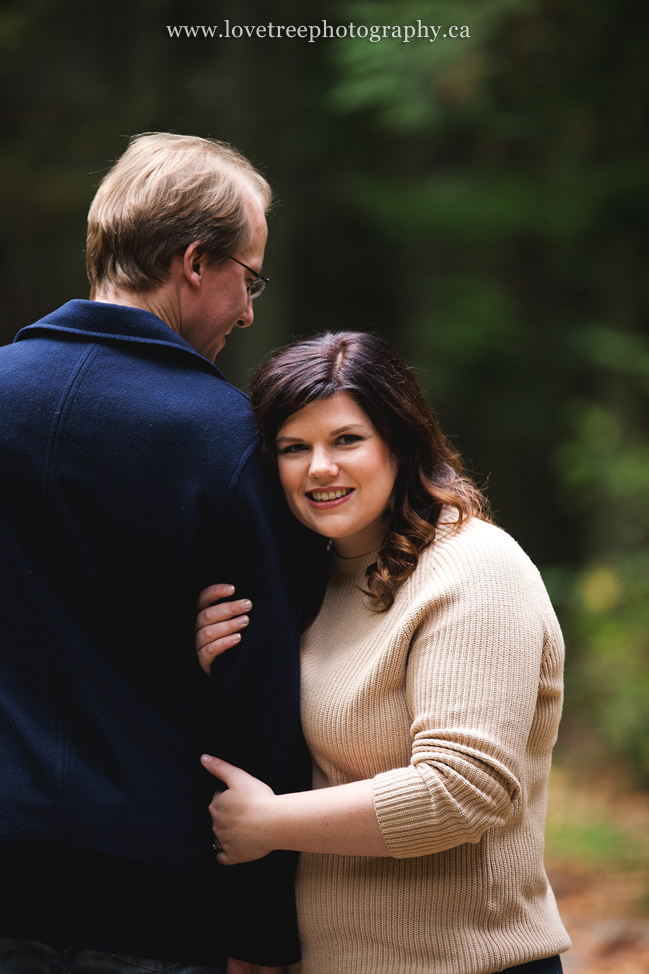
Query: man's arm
[{"x": 255, "y": 689}]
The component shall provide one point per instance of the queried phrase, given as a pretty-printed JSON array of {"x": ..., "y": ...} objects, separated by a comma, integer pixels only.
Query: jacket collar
[{"x": 95, "y": 320}]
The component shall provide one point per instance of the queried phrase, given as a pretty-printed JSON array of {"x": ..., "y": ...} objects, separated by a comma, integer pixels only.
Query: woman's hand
[
  {"x": 249, "y": 820},
  {"x": 217, "y": 626},
  {"x": 240, "y": 815}
]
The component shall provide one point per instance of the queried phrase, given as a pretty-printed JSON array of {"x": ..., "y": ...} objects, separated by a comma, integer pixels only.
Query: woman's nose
[{"x": 322, "y": 465}]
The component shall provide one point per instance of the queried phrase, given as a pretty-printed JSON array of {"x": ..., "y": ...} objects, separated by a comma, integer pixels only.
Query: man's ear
[{"x": 194, "y": 263}]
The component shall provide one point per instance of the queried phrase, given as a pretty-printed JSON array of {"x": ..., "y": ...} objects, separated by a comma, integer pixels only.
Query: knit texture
[{"x": 450, "y": 701}]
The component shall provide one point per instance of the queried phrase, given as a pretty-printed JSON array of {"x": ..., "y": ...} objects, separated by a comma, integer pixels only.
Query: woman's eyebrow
[
  {"x": 341, "y": 429},
  {"x": 294, "y": 439}
]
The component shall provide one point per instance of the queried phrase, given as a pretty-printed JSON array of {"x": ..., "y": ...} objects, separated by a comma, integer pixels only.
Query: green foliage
[
  {"x": 494, "y": 204},
  {"x": 591, "y": 823},
  {"x": 473, "y": 321},
  {"x": 415, "y": 85},
  {"x": 591, "y": 842},
  {"x": 610, "y": 624},
  {"x": 604, "y": 465},
  {"x": 623, "y": 352}
]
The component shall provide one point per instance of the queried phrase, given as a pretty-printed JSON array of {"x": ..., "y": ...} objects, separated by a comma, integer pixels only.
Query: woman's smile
[
  {"x": 323, "y": 500},
  {"x": 337, "y": 473}
]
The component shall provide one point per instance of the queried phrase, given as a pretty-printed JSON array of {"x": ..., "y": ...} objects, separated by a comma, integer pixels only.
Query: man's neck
[{"x": 157, "y": 302}]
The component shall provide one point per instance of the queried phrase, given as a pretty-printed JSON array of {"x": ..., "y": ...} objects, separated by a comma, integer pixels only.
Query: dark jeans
[
  {"x": 547, "y": 965},
  {"x": 30, "y": 957}
]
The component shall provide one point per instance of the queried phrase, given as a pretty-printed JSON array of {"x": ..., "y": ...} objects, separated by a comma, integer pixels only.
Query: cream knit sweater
[{"x": 450, "y": 701}]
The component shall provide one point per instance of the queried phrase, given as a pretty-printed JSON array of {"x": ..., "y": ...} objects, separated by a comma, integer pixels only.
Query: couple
[{"x": 431, "y": 665}]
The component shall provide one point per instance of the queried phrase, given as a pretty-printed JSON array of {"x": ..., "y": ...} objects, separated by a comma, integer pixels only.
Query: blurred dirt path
[
  {"x": 609, "y": 932},
  {"x": 597, "y": 858}
]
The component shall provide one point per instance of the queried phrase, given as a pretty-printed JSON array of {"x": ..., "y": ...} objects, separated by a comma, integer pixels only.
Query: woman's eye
[
  {"x": 293, "y": 448},
  {"x": 348, "y": 438}
]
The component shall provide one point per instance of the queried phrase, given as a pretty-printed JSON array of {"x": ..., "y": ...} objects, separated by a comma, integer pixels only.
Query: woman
[{"x": 431, "y": 689}]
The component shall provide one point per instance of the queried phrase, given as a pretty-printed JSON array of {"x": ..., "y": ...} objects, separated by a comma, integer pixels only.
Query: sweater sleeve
[{"x": 485, "y": 658}]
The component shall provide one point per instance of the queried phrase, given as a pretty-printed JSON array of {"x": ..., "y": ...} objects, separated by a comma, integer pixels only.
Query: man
[{"x": 130, "y": 478}]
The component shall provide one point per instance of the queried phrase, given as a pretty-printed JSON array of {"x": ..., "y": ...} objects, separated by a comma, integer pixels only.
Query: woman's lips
[{"x": 325, "y": 505}]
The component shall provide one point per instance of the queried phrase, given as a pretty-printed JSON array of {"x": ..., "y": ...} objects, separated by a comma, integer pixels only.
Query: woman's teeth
[{"x": 329, "y": 495}]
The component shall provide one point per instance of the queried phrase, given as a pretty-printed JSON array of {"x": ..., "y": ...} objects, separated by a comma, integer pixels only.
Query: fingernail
[
  {"x": 244, "y": 620},
  {"x": 230, "y": 588},
  {"x": 246, "y": 604},
  {"x": 205, "y": 758},
  {"x": 236, "y": 637}
]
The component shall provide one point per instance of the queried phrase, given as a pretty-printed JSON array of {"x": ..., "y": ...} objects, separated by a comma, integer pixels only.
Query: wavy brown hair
[{"x": 430, "y": 473}]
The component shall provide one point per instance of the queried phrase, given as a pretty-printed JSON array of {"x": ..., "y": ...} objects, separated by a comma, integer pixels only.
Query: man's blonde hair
[{"x": 164, "y": 193}]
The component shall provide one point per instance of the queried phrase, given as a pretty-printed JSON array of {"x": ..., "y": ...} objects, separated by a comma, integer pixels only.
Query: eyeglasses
[{"x": 255, "y": 287}]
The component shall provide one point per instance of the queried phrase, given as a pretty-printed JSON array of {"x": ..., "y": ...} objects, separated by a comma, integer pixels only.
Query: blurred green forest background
[{"x": 480, "y": 202}]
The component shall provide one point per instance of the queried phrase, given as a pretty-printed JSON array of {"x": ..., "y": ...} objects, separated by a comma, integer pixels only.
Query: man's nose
[{"x": 247, "y": 318}]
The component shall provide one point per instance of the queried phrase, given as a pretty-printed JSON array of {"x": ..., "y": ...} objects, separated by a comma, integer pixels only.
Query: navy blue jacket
[{"x": 129, "y": 479}]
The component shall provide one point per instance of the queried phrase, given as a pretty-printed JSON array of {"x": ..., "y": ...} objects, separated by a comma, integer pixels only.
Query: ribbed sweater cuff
[{"x": 403, "y": 809}]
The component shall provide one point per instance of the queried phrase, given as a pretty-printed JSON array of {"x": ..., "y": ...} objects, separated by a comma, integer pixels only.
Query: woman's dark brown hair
[{"x": 430, "y": 472}]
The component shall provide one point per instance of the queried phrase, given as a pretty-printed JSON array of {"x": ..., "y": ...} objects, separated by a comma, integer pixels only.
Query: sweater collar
[
  {"x": 353, "y": 566},
  {"x": 357, "y": 566},
  {"x": 96, "y": 320}
]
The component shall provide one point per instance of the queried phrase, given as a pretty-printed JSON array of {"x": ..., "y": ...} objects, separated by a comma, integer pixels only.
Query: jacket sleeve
[
  {"x": 484, "y": 674},
  {"x": 255, "y": 690}
]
